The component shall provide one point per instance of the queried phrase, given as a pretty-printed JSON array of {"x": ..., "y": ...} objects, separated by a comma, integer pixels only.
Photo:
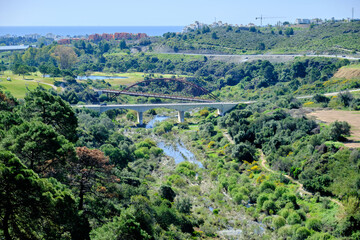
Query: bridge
[
  {"x": 222, "y": 107},
  {"x": 181, "y": 84}
]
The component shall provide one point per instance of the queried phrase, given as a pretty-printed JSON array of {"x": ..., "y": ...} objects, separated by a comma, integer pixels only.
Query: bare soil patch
[
  {"x": 347, "y": 73},
  {"x": 352, "y": 117}
]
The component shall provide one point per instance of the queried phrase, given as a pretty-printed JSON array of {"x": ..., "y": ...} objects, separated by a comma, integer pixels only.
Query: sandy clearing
[
  {"x": 347, "y": 73},
  {"x": 352, "y": 117}
]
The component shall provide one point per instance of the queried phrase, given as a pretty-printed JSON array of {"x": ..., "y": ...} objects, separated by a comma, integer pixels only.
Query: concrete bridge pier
[
  {"x": 181, "y": 116},
  {"x": 219, "y": 112},
  {"x": 140, "y": 117}
]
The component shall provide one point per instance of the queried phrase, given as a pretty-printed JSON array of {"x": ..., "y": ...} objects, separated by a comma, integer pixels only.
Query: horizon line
[{"x": 96, "y": 26}]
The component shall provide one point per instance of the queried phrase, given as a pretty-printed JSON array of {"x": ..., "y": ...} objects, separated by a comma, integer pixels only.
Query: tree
[
  {"x": 39, "y": 146},
  {"x": 167, "y": 193},
  {"x": 261, "y": 46},
  {"x": 339, "y": 130},
  {"x": 345, "y": 98},
  {"x": 122, "y": 44},
  {"x": 278, "y": 222},
  {"x": 252, "y": 29},
  {"x": 320, "y": 98},
  {"x": 21, "y": 70},
  {"x": 44, "y": 69},
  {"x": 31, "y": 207},
  {"x": 183, "y": 205},
  {"x": 289, "y": 31},
  {"x": 298, "y": 69},
  {"x": 214, "y": 36},
  {"x": 91, "y": 167},
  {"x": 243, "y": 152},
  {"x": 51, "y": 110},
  {"x": 7, "y": 101},
  {"x": 2, "y": 68},
  {"x": 65, "y": 56}
]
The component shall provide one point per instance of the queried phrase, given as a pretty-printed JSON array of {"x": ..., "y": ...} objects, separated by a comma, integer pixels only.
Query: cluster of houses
[
  {"x": 299, "y": 21},
  {"x": 197, "y": 25}
]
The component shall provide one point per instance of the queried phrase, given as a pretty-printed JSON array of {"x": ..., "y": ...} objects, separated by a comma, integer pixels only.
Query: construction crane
[{"x": 261, "y": 18}]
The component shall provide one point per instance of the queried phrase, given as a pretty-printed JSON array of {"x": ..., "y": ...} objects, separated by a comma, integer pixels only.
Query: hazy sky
[{"x": 166, "y": 12}]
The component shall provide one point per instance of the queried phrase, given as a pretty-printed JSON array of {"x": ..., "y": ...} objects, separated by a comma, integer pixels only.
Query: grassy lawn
[
  {"x": 17, "y": 87},
  {"x": 354, "y": 66},
  {"x": 131, "y": 78}
]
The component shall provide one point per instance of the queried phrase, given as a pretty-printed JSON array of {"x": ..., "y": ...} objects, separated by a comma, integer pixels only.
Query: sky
[{"x": 167, "y": 12}]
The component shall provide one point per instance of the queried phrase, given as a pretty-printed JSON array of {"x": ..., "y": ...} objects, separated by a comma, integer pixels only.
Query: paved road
[{"x": 270, "y": 57}]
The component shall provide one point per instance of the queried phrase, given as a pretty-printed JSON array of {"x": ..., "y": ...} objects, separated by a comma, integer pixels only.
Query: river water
[{"x": 176, "y": 150}]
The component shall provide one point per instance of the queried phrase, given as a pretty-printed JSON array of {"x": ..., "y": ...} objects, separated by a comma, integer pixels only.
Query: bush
[
  {"x": 338, "y": 130},
  {"x": 302, "y": 233},
  {"x": 166, "y": 192},
  {"x": 204, "y": 112},
  {"x": 261, "y": 199},
  {"x": 278, "y": 222},
  {"x": 294, "y": 218},
  {"x": 314, "y": 224},
  {"x": 183, "y": 205},
  {"x": 269, "y": 206},
  {"x": 131, "y": 116}
]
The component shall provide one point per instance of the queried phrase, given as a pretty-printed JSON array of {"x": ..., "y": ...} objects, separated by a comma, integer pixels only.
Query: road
[{"x": 269, "y": 57}]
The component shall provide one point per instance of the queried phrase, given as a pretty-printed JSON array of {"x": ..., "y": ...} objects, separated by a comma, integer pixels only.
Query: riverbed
[{"x": 176, "y": 150}]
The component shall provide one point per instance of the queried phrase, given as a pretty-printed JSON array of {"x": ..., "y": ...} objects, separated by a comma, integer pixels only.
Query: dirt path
[
  {"x": 301, "y": 186},
  {"x": 227, "y": 135},
  {"x": 53, "y": 86},
  {"x": 352, "y": 117}
]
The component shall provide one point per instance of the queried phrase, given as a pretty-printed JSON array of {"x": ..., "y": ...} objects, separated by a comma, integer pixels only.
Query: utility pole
[
  {"x": 352, "y": 14},
  {"x": 260, "y": 19}
]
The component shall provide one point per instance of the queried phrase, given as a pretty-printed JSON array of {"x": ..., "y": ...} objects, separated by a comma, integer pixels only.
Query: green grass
[
  {"x": 177, "y": 57},
  {"x": 17, "y": 85},
  {"x": 352, "y": 66},
  {"x": 131, "y": 78},
  {"x": 18, "y": 88}
]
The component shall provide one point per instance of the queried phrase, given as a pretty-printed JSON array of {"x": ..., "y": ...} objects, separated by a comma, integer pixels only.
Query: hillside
[
  {"x": 349, "y": 72},
  {"x": 340, "y": 38}
]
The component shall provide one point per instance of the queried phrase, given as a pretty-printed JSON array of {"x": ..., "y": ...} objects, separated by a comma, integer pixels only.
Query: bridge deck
[{"x": 155, "y": 95}]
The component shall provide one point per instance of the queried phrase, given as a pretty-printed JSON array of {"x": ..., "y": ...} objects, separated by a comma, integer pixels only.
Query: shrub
[
  {"x": 338, "y": 130},
  {"x": 302, "y": 233},
  {"x": 293, "y": 218},
  {"x": 278, "y": 222},
  {"x": 204, "y": 112},
  {"x": 166, "y": 192},
  {"x": 261, "y": 199},
  {"x": 314, "y": 224},
  {"x": 183, "y": 205},
  {"x": 269, "y": 206}
]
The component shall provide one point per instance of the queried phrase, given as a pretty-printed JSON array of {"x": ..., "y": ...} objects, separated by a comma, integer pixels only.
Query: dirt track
[
  {"x": 301, "y": 189},
  {"x": 352, "y": 117}
]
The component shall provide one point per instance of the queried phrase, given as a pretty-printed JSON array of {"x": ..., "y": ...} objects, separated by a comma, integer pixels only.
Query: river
[{"x": 176, "y": 150}]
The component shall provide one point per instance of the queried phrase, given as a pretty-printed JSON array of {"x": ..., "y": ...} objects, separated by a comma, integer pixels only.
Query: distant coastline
[{"x": 73, "y": 31}]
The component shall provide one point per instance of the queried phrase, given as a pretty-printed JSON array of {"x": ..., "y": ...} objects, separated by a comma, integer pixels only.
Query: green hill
[{"x": 335, "y": 38}]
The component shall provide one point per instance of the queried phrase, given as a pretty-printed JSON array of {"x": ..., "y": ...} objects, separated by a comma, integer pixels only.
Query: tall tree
[
  {"x": 91, "y": 167},
  {"x": 51, "y": 110},
  {"x": 31, "y": 207},
  {"x": 40, "y": 147},
  {"x": 65, "y": 56}
]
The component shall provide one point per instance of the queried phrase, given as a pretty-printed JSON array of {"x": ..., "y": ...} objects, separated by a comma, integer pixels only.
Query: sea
[{"x": 83, "y": 31}]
